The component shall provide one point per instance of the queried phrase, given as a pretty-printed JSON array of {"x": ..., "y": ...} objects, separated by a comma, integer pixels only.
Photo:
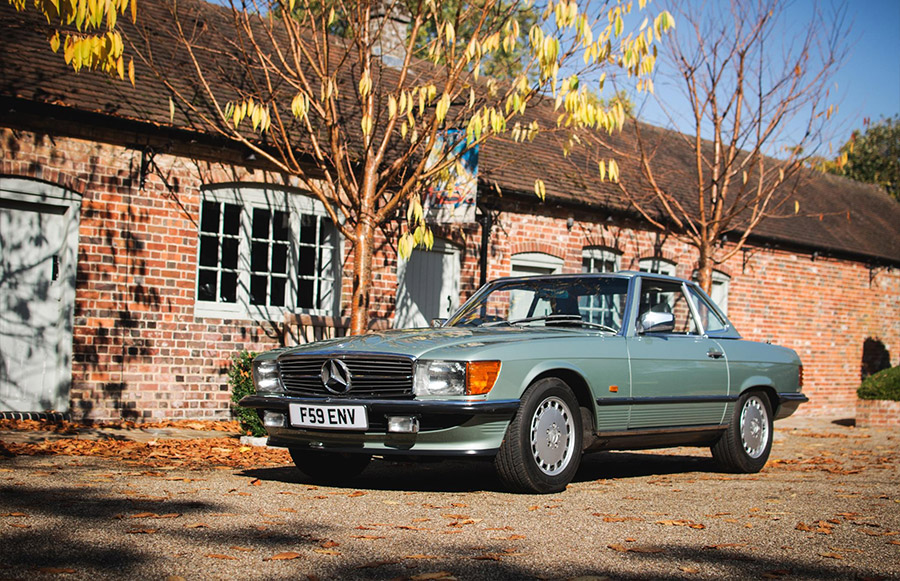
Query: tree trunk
[
  {"x": 362, "y": 276},
  {"x": 705, "y": 267}
]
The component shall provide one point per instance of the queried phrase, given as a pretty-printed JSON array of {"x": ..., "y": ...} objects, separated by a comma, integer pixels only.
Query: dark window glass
[
  {"x": 307, "y": 266},
  {"x": 258, "y": 286},
  {"x": 232, "y": 220},
  {"x": 281, "y": 226},
  {"x": 259, "y": 257},
  {"x": 279, "y": 258},
  {"x": 277, "y": 298},
  {"x": 307, "y": 229},
  {"x": 326, "y": 230},
  {"x": 209, "y": 217},
  {"x": 206, "y": 285},
  {"x": 230, "y": 253},
  {"x": 229, "y": 287},
  {"x": 209, "y": 251},
  {"x": 305, "y": 294},
  {"x": 261, "y": 223}
]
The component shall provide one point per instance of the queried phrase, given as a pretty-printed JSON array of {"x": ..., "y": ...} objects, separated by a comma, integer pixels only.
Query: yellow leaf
[
  {"x": 540, "y": 189},
  {"x": 796, "y": 206},
  {"x": 171, "y": 110}
]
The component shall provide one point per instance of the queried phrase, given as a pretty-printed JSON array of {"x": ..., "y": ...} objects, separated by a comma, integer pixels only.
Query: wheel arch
[
  {"x": 577, "y": 383},
  {"x": 766, "y": 389}
]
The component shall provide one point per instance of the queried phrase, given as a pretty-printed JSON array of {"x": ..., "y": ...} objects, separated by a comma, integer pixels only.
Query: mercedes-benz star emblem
[{"x": 336, "y": 376}]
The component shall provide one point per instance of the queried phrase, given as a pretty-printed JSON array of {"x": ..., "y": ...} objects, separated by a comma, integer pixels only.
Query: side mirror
[
  {"x": 438, "y": 322},
  {"x": 653, "y": 322}
]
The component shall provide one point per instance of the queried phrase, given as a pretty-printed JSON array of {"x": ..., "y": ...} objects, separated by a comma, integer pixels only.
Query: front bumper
[{"x": 447, "y": 427}]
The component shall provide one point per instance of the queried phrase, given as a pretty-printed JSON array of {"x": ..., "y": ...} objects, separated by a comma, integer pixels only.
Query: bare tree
[
  {"x": 334, "y": 99},
  {"x": 758, "y": 104}
]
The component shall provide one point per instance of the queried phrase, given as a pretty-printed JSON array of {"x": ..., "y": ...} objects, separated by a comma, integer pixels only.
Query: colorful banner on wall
[{"x": 453, "y": 198}]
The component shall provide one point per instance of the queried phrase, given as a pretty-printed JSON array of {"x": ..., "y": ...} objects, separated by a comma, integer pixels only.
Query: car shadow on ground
[{"x": 479, "y": 475}]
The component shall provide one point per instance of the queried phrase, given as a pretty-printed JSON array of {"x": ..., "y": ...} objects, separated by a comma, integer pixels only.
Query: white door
[
  {"x": 38, "y": 245},
  {"x": 427, "y": 286}
]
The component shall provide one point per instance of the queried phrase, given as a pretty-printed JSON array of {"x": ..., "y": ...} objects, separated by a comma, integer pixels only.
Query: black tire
[
  {"x": 541, "y": 450},
  {"x": 329, "y": 467},
  {"x": 745, "y": 445}
]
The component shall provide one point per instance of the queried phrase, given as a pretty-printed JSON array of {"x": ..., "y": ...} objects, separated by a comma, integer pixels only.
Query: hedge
[
  {"x": 240, "y": 377},
  {"x": 882, "y": 385}
]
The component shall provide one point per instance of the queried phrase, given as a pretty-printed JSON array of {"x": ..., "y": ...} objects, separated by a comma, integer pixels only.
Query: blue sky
[{"x": 866, "y": 86}]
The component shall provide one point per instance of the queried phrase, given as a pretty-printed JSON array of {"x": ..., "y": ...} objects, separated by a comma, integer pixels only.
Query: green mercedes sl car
[{"x": 533, "y": 372}]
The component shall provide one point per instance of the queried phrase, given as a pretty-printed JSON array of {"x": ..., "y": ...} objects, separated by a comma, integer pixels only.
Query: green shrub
[
  {"x": 882, "y": 385},
  {"x": 240, "y": 378}
]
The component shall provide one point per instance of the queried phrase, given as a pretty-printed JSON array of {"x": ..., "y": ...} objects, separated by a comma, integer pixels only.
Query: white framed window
[
  {"x": 595, "y": 259},
  {"x": 601, "y": 309},
  {"x": 264, "y": 252},
  {"x": 719, "y": 291},
  {"x": 534, "y": 263},
  {"x": 657, "y": 265}
]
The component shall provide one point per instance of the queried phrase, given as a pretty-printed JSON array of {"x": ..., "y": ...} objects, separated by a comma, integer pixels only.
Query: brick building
[{"x": 130, "y": 244}]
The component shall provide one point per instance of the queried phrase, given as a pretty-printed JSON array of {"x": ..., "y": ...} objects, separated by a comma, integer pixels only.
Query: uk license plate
[{"x": 330, "y": 417}]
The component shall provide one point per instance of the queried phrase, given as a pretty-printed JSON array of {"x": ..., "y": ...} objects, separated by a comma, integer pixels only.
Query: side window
[
  {"x": 264, "y": 252},
  {"x": 710, "y": 320},
  {"x": 666, "y": 297}
]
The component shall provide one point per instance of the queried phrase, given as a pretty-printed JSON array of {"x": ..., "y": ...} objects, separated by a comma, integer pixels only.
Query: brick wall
[{"x": 140, "y": 352}]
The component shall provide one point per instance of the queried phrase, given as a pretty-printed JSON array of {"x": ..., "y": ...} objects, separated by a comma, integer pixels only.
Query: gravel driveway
[{"x": 826, "y": 507}]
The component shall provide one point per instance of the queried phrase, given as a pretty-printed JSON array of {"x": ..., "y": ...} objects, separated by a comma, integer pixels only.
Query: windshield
[{"x": 588, "y": 302}]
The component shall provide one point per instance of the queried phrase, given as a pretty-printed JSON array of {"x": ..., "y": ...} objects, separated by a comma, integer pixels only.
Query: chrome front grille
[{"x": 373, "y": 376}]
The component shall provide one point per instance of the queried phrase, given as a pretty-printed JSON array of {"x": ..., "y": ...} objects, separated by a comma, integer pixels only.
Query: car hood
[{"x": 450, "y": 342}]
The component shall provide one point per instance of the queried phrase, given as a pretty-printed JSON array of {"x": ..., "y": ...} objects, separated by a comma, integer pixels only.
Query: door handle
[{"x": 714, "y": 354}]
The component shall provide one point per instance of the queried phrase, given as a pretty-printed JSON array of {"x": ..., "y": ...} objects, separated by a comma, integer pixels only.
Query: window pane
[
  {"x": 232, "y": 225},
  {"x": 209, "y": 217},
  {"x": 307, "y": 229},
  {"x": 279, "y": 258},
  {"x": 206, "y": 285},
  {"x": 305, "y": 294},
  {"x": 258, "y": 286},
  {"x": 307, "y": 266},
  {"x": 259, "y": 257},
  {"x": 261, "y": 223},
  {"x": 281, "y": 226},
  {"x": 229, "y": 287},
  {"x": 277, "y": 298},
  {"x": 209, "y": 251},
  {"x": 230, "y": 253}
]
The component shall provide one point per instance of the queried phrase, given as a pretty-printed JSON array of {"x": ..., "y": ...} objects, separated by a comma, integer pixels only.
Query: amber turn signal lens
[{"x": 480, "y": 376}]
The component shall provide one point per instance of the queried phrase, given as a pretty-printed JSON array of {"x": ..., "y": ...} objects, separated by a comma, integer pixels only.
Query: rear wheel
[
  {"x": 542, "y": 447},
  {"x": 329, "y": 467},
  {"x": 745, "y": 445}
]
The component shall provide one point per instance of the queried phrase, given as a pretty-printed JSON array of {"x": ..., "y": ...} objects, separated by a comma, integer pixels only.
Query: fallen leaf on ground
[
  {"x": 245, "y": 549},
  {"x": 285, "y": 556},
  {"x": 681, "y": 523},
  {"x": 199, "y": 525},
  {"x": 327, "y": 552},
  {"x": 420, "y": 556},
  {"x": 218, "y": 556}
]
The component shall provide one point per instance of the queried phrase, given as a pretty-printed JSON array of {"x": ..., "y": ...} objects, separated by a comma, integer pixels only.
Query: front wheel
[
  {"x": 329, "y": 467},
  {"x": 542, "y": 447},
  {"x": 745, "y": 445}
]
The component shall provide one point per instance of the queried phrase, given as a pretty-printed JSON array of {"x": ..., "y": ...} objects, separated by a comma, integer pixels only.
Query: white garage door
[
  {"x": 38, "y": 249},
  {"x": 427, "y": 286}
]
